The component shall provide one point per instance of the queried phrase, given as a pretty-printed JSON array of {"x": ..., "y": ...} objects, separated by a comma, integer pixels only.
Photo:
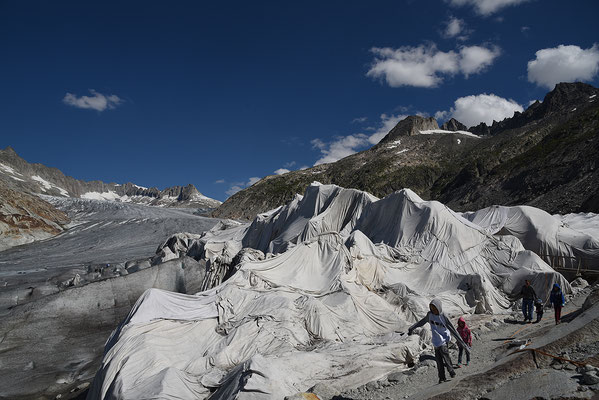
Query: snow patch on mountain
[
  {"x": 110, "y": 196},
  {"x": 433, "y": 131},
  {"x": 10, "y": 170},
  {"x": 48, "y": 185}
]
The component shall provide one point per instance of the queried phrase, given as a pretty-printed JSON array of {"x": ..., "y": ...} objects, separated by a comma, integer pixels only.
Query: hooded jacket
[
  {"x": 557, "y": 296},
  {"x": 441, "y": 327},
  {"x": 464, "y": 332}
]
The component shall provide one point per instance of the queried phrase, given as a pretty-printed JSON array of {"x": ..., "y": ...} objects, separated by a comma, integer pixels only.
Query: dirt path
[{"x": 492, "y": 335}]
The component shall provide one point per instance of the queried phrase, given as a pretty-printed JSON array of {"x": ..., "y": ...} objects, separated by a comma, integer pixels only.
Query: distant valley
[{"x": 26, "y": 216}]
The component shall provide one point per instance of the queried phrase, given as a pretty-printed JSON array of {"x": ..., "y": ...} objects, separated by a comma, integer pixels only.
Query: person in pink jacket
[{"x": 466, "y": 336}]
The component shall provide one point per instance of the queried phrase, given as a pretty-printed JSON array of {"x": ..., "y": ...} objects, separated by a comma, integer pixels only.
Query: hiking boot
[{"x": 452, "y": 374}]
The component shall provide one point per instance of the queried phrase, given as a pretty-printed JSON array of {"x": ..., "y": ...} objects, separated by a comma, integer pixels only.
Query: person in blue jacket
[
  {"x": 558, "y": 300},
  {"x": 442, "y": 329}
]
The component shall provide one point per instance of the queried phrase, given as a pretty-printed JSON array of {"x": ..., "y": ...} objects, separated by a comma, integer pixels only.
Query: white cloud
[
  {"x": 289, "y": 164},
  {"x": 234, "y": 189},
  {"x": 425, "y": 65},
  {"x": 563, "y": 64},
  {"x": 238, "y": 186},
  {"x": 98, "y": 101},
  {"x": 219, "y": 181},
  {"x": 442, "y": 115},
  {"x": 472, "y": 110},
  {"x": 282, "y": 171},
  {"x": 344, "y": 146},
  {"x": 486, "y": 7},
  {"x": 359, "y": 120},
  {"x": 456, "y": 28},
  {"x": 474, "y": 59},
  {"x": 341, "y": 147},
  {"x": 253, "y": 180}
]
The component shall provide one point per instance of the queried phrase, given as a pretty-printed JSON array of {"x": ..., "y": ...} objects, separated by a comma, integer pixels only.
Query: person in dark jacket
[
  {"x": 558, "y": 300},
  {"x": 528, "y": 297},
  {"x": 442, "y": 329}
]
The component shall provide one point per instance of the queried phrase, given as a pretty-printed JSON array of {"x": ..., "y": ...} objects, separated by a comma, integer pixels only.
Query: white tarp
[
  {"x": 549, "y": 237},
  {"x": 349, "y": 274}
]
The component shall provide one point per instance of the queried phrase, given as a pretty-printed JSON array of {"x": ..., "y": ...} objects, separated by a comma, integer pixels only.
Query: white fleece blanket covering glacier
[{"x": 344, "y": 275}]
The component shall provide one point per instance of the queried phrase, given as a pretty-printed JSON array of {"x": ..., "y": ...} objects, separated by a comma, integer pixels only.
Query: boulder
[
  {"x": 590, "y": 377},
  {"x": 323, "y": 391},
  {"x": 396, "y": 377},
  {"x": 372, "y": 386},
  {"x": 579, "y": 283}
]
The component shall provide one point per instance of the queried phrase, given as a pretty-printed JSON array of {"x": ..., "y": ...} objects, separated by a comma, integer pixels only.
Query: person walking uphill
[
  {"x": 442, "y": 329},
  {"x": 528, "y": 297},
  {"x": 466, "y": 336},
  {"x": 558, "y": 300}
]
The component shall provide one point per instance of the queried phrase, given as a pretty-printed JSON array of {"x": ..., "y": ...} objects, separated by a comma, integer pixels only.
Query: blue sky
[{"x": 218, "y": 94}]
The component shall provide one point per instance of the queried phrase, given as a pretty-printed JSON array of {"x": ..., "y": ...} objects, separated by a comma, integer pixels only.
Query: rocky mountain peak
[
  {"x": 9, "y": 154},
  {"x": 411, "y": 126},
  {"x": 565, "y": 95},
  {"x": 9, "y": 150},
  {"x": 564, "y": 98},
  {"x": 454, "y": 125},
  {"x": 182, "y": 193}
]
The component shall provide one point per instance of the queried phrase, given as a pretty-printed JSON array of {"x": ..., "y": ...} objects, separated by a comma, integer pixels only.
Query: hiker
[
  {"x": 442, "y": 329},
  {"x": 539, "y": 310},
  {"x": 558, "y": 300},
  {"x": 466, "y": 336},
  {"x": 528, "y": 297}
]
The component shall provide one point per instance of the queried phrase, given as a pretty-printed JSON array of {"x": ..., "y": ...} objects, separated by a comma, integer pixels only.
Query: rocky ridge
[
  {"x": 545, "y": 156},
  {"x": 40, "y": 179}
]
